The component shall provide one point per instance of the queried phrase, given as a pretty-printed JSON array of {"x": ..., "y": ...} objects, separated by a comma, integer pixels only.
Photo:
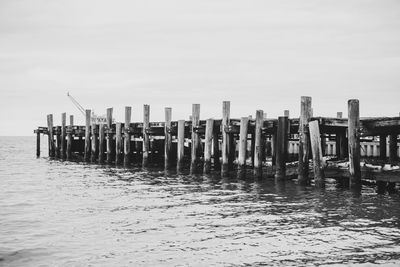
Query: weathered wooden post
[
  {"x": 109, "y": 136},
  {"x": 304, "y": 145},
  {"x": 208, "y": 145},
  {"x": 87, "y": 135},
  {"x": 338, "y": 138},
  {"x": 146, "y": 137},
  {"x": 382, "y": 146},
  {"x": 63, "y": 135},
  {"x": 181, "y": 144},
  {"x": 70, "y": 137},
  {"x": 318, "y": 161},
  {"x": 58, "y": 141},
  {"x": 225, "y": 137},
  {"x": 37, "y": 143},
  {"x": 118, "y": 142},
  {"x": 354, "y": 141},
  {"x": 244, "y": 123},
  {"x": 258, "y": 160},
  {"x": 393, "y": 148},
  {"x": 102, "y": 138},
  {"x": 216, "y": 154},
  {"x": 195, "y": 138},
  {"x": 127, "y": 136},
  {"x": 95, "y": 142},
  {"x": 168, "y": 138},
  {"x": 281, "y": 148},
  {"x": 50, "y": 135}
]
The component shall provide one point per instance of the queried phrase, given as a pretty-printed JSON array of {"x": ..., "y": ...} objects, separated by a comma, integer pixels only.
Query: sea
[{"x": 60, "y": 213}]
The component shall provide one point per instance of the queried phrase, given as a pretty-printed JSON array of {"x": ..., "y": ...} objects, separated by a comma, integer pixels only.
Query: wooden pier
[{"x": 283, "y": 148}]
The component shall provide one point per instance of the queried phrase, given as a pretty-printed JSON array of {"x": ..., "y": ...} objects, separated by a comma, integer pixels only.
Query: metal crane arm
[{"x": 81, "y": 109}]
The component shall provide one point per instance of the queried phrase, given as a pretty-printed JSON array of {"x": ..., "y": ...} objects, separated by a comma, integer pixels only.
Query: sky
[{"x": 173, "y": 53}]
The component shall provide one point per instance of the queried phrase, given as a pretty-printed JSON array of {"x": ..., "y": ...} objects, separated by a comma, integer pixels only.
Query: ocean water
[{"x": 55, "y": 213}]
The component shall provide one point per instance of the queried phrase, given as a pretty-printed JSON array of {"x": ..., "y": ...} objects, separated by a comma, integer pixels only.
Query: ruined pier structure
[{"x": 223, "y": 144}]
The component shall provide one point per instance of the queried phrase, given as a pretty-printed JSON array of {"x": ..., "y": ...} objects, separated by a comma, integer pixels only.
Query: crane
[{"x": 94, "y": 118}]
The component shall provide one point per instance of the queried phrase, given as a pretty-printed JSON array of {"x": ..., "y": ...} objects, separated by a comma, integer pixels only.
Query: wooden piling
[
  {"x": 281, "y": 148},
  {"x": 354, "y": 141},
  {"x": 393, "y": 148},
  {"x": 382, "y": 146},
  {"x": 63, "y": 135},
  {"x": 127, "y": 136},
  {"x": 258, "y": 160},
  {"x": 244, "y": 123},
  {"x": 95, "y": 142},
  {"x": 58, "y": 141},
  {"x": 225, "y": 137},
  {"x": 195, "y": 139},
  {"x": 318, "y": 163},
  {"x": 87, "y": 136},
  {"x": 181, "y": 144},
  {"x": 102, "y": 138},
  {"x": 208, "y": 145},
  {"x": 340, "y": 136},
  {"x": 118, "y": 143},
  {"x": 50, "y": 135},
  {"x": 168, "y": 138},
  {"x": 146, "y": 137},
  {"x": 304, "y": 144},
  {"x": 216, "y": 151},
  {"x": 70, "y": 137},
  {"x": 37, "y": 143},
  {"x": 110, "y": 153}
]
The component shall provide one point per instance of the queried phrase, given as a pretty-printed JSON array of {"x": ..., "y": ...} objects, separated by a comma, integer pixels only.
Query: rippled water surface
[{"x": 55, "y": 213}]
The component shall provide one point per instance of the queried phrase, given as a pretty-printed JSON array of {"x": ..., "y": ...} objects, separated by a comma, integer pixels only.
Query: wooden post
[
  {"x": 101, "y": 143},
  {"x": 208, "y": 145},
  {"x": 127, "y": 136},
  {"x": 146, "y": 138},
  {"x": 110, "y": 151},
  {"x": 354, "y": 141},
  {"x": 304, "y": 145},
  {"x": 168, "y": 138},
  {"x": 118, "y": 142},
  {"x": 70, "y": 137},
  {"x": 393, "y": 148},
  {"x": 339, "y": 115},
  {"x": 281, "y": 148},
  {"x": 216, "y": 154},
  {"x": 225, "y": 137},
  {"x": 95, "y": 142},
  {"x": 87, "y": 135},
  {"x": 37, "y": 143},
  {"x": 244, "y": 123},
  {"x": 258, "y": 160},
  {"x": 63, "y": 135},
  {"x": 318, "y": 161},
  {"x": 58, "y": 141},
  {"x": 195, "y": 138},
  {"x": 50, "y": 135},
  {"x": 181, "y": 144},
  {"x": 382, "y": 146}
]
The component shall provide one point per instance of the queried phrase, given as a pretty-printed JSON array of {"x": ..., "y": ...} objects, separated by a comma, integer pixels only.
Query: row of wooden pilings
[{"x": 99, "y": 141}]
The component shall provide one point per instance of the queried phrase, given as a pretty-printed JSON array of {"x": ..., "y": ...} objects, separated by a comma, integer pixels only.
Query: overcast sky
[{"x": 257, "y": 54}]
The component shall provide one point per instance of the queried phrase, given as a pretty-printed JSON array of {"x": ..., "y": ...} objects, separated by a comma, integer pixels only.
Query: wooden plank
[
  {"x": 208, "y": 145},
  {"x": 316, "y": 146},
  {"x": 101, "y": 143},
  {"x": 146, "y": 137},
  {"x": 304, "y": 143},
  {"x": 382, "y": 146},
  {"x": 50, "y": 135},
  {"x": 225, "y": 137},
  {"x": 258, "y": 160},
  {"x": 181, "y": 144},
  {"x": 127, "y": 136},
  {"x": 87, "y": 135},
  {"x": 63, "y": 135},
  {"x": 168, "y": 138},
  {"x": 110, "y": 150},
  {"x": 118, "y": 143},
  {"x": 95, "y": 142},
  {"x": 281, "y": 148},
  {"x": 354, "y": 142},
  {"x": 70, "y": 137},
  {"x": 195, "y": 139},
  {"x": 244, "y": 123}
]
